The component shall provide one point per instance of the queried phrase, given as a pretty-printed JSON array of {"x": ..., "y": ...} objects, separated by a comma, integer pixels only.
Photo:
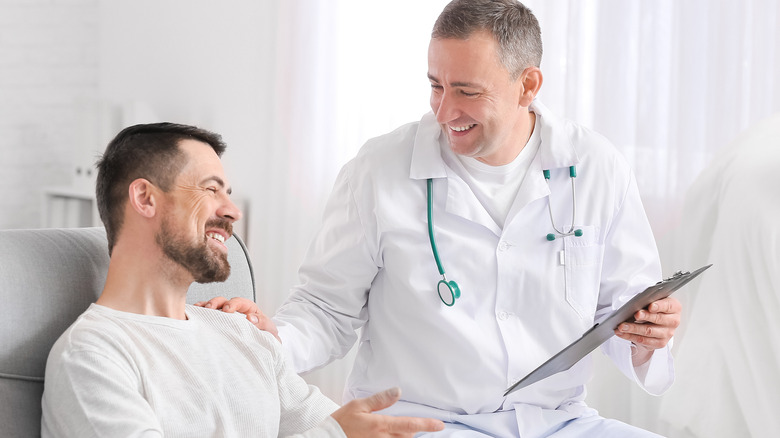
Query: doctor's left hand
[
  {"x": 245, "y": 306},
  {"x": 652, "y": 328}
]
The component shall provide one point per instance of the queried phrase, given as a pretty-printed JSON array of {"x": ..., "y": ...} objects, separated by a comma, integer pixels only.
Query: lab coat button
[
  {"x": 503, "y": 316},
  {"x": 503, "y": 246}
]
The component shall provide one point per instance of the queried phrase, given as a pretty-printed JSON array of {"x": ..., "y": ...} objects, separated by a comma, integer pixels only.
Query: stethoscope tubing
[
  {"x": 430, "y": 227},
  {"x": 573, "y": 210}
]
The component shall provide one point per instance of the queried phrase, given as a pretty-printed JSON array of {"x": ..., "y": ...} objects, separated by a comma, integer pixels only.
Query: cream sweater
[{"x": 117, "y": 374}]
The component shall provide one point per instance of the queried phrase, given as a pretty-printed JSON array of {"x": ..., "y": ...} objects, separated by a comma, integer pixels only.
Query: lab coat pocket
[{"x": 583, "y": 258}]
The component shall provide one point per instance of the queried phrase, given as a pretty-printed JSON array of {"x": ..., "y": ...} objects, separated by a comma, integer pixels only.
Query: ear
[
  {"x": 143, "y": 197},
  {"x": 531, "y": 79}
]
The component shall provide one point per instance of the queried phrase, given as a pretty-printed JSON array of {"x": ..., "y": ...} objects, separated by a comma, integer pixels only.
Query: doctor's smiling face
[{"x": 481, "y": 109}]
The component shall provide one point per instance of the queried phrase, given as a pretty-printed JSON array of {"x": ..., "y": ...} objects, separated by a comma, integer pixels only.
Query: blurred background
[{"x": 295, "y": 87}]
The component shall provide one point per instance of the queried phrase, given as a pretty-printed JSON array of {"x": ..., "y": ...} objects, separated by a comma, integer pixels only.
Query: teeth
[
  {"x": 462, "y": 128},
  {"x": 216, "y": 236}
]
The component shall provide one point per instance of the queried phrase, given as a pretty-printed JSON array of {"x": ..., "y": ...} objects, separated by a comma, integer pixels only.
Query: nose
[
  {"x": 229, "y": 211},
  {"x": 443, "y": 107}
]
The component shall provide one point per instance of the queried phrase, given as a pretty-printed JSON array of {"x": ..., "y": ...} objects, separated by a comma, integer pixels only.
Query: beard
[{"x": 202, "y": 262}]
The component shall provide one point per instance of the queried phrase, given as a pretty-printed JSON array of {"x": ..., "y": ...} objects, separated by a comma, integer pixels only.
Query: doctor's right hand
[
  {"x": 245, "y": 306},
  {"x": 357, "y": 418}
]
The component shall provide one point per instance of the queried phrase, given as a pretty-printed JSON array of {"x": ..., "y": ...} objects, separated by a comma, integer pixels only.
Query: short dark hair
[
  {"x": 149, "y": 151},
  {"x": 511, "y": 23}
]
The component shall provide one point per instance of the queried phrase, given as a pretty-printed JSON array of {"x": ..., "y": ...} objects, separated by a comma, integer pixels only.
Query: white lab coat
[{"x": 523, "y": 298}]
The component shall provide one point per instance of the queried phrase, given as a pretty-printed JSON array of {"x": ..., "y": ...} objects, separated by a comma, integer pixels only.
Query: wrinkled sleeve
[
  {"x": 318, "y": 321},
  {"x": 631, "y": 263},
  {"x": 305, "y": 411}
]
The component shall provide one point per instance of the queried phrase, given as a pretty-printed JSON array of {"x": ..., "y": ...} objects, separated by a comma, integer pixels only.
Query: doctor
[{"x": 532, "y": 274}]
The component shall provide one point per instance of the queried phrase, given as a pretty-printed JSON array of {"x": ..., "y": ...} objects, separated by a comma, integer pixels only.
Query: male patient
[{"x": 140, "y": 361}]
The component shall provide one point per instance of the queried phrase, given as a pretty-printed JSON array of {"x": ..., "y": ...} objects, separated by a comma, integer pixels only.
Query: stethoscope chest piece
[{"x": 448, "y": 292}]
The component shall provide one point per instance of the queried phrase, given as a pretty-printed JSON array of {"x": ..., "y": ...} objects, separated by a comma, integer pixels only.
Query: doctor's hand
[
  {"x": 652, "y": 328},
  {"x": 357, "y": 419},
  {"x": 245, "y": 306}
]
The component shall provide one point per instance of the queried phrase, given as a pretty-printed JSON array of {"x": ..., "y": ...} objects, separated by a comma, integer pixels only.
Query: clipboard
[{"x": 604, "y": 330}]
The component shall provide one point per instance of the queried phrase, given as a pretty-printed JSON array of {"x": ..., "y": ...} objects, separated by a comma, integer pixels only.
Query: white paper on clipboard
[{"x": 604, "y": 330}]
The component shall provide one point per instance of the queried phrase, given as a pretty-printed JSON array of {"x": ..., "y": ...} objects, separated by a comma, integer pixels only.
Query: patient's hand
[
  {"x": 357, "y": 419},
  {"x": 245, "y": 306}
]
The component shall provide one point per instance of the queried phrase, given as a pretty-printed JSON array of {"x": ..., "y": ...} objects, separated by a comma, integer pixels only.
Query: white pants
[
  {"x": 524, "y": 421},
  {"x": 588, "y": 426}
]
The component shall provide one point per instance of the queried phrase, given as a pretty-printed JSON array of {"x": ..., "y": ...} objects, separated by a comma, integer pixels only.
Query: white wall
[
  {"x": 209, "y": 64},
  {"x": 72, "y": 73},
  {"x": 48, "y": 73}
]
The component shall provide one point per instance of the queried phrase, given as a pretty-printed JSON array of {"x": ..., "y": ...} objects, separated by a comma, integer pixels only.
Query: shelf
[{"x": 69, "y": 207}]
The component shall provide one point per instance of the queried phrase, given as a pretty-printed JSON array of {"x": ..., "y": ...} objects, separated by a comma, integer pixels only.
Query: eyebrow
[
  {"x": 219, "y": 182},
  {"x": 454, "y": 84}
]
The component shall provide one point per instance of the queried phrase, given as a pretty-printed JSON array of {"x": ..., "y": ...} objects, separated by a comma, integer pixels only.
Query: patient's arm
[{"x": 245, "y": 306}]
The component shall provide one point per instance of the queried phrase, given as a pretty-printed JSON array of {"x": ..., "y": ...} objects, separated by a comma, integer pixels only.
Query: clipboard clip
[{"x": 674, "y": 276}]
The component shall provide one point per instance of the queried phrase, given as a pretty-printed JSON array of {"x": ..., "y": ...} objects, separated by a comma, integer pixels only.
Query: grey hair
[{"x": 511, "y": 23}]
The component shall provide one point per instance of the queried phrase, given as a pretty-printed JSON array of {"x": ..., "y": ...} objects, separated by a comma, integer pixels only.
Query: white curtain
[
  {"x": 669, "y": 82},
  {"x": 347, "y": 70}
]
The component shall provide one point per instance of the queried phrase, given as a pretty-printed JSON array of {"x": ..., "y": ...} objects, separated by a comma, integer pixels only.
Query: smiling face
[
  {"x": 482, "y": 111},
  {"x": 199, "y": 215}
]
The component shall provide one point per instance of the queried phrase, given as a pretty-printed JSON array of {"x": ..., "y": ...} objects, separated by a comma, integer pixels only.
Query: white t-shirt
[
  {"x": 496, "y": 186},
  {"x": 115, "y": 373}
]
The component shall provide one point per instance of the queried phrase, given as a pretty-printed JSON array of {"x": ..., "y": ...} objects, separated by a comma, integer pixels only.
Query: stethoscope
[
  {"x": 448, "y": 290},
  {"x": 572, "y": 231}
]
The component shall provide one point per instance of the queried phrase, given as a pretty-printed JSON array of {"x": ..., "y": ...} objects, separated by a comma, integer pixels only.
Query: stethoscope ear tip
[{"x": 576, "y": 233}]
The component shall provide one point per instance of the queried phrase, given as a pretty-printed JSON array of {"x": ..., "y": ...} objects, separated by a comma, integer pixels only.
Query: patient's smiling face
[{"x": 198, "y": 215}]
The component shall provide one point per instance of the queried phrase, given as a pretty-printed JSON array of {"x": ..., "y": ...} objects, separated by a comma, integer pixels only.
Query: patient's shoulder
[
  {"x": 236, "y": 326},
  {"x": 92, "y": 330}
]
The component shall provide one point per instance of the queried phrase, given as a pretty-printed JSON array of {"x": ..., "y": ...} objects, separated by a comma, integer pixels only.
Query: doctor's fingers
[
  {"x": 649, "y": 335},
  {"x": 235, "y": 304},
  {"x": 670, "y": 320},
  {"x": 669, "y": 305},
  {"x": 264, "y": 323},
  {"x": 214, "y": 303},
  {"x": 240, "y": 305}
]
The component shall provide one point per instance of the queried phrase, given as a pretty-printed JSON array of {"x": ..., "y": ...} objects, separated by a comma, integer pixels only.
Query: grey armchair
[{"x": 47, "y": 278}]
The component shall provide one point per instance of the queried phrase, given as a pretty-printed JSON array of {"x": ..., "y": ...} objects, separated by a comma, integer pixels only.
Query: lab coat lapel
[
  {"x": 427, "y": 162},
  {"x": 426, "y": 156},
  {"x": 555, "y": 151},
  {"x": 462, "y": 202},
  {"x": 557, "y": 148},
  {"x": 532, "y": 188}
]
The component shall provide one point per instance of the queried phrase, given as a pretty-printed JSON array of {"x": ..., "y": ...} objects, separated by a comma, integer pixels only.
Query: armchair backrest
[{"x": 48, "y": 277}]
